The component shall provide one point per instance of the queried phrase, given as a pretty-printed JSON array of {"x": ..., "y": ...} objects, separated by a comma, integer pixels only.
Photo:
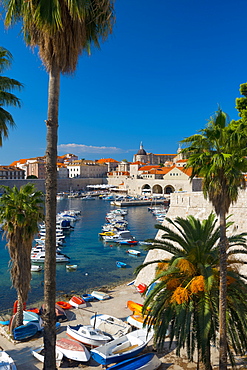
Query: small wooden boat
[
  {"x": 100, "y": 295},
  {"x": 110, "y": 325},
  {"x": 122, "y": 348},
  {"x": 73, "y": 350},
  {"x": 6, "y": 362},
  {"x": 71, "y": 267},
  {"x": 77, "y": 302},
  {"x": 86, "y": 334},
  {"x": 64, "y": 305},
  {"x": 24, "y": 331},
  {"x": 87, "y": 297},
  {"x": 39, "y": 354},
  {"x": 148, "y": 361},
  {"x": 36, "y": 268},
  {"x": 121, "y": 264},
  {"x": 134, "y": 252}
]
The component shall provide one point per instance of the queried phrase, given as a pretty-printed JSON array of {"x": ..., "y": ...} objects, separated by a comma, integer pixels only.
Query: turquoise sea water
[{"x": 96, "y": 261}]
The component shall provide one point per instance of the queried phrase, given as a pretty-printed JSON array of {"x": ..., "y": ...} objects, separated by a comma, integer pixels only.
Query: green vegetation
[
  {"x": 20, "y": 212},
  {"x": 185, "y": 300},
  {"x": 7, "y": 98}
]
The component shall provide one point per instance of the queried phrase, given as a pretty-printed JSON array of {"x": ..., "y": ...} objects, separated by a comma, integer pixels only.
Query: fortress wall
[{"x": 194, "y": 203}]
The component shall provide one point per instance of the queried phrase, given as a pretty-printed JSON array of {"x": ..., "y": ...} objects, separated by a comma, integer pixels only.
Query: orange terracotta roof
[
  {"x": 187, "y": 171},
  {"x": 137, "y": 162},
  {"x": 148, "y": 168},
  {"x": 182, "y": 160},
  {"x": 107, "y": 160}
]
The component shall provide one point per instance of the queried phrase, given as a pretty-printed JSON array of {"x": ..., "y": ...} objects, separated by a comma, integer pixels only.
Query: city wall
[
  {"x": 194, "y": 203},
  {"x": 68, "y": 184}
]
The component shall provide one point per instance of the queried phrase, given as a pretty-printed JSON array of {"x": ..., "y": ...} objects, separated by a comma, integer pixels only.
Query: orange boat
[
  {"x": 77, "y": 302},
  {"x": 136, "y": 308},
  {"x": 64, "y": 305}
]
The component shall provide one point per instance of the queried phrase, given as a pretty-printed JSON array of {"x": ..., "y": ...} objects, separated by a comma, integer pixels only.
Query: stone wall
[
  {"x": 68, "y": 184},
  {"x": 194, "y": 203}
]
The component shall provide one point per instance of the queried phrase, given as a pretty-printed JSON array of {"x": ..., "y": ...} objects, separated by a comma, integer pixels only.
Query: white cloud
[{"x": 80, "y": 148}]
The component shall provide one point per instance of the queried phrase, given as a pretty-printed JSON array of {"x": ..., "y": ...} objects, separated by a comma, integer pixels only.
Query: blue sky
[{"x": 157, "y": 79}]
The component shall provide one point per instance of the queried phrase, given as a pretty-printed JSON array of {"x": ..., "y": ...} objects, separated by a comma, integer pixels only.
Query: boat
[
  {"x": 64, "y": 305},
  {"x": 135, "y": 307},
  {"x": 110, "y": 325},
  {"x": 59, "y": 311},
  {"x": 77, "y": 302},
  {"x": 122, "y": 348},
  {"x": 136, "y": 320},
  {"x": 128, "y": 242},
  {"x": 101, "y": 296},
  {"x": 36, "y": 268},
  {"x": 87, "y": 297},
  {"x": 6, "y": 362},
  {"x": 28, "y": 318},
  {"x": 38, "y": 353},
  {"x": 71, "y": 267},
  {"x": 24, "y": 331},
  {"x": 121, "y": 264},
  {"x": 73, "y": 350},
  {"x": 141, "y": 288},
  {"x": 88, "y": 335},
  {"x": 148, "y": 361},
  {"x": 134, "y": 252},
  {"x": 40, "y": 257}
]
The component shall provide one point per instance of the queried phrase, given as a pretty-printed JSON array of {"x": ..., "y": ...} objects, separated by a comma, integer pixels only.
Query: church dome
[{"x": 141, "y": 151}]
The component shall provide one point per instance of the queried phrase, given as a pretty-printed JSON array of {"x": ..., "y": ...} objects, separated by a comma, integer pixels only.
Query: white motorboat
[
  {"x": 36, "y": 268},
  {"x": 38, "y": 353},
  {"x": 6, "y": 362},
  {"x": 73, "y": 350},
  {"x": 122, "y": 348},
  {"x": 40, "y": 257},
  {"x": 110, "y": 325},
  {"x": 86, "y": 334},
  {"x": 120, "y": 235}
]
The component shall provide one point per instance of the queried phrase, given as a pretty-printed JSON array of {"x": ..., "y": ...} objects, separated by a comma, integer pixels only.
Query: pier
[{"x": 129, "y": 203}]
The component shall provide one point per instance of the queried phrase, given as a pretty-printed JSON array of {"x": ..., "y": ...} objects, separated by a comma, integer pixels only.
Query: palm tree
[
  {"x": 6, "y": 97},
  {"x": 184, "y": 301},
  {"x": 61, "y": 30},
  {"x": 20, "y": 212},
  {"x": 218, "y": 155}
]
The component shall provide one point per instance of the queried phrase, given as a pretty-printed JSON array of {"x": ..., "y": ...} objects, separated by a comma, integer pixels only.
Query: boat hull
[
  {"x": 73, "y": 350},
  {"x": 24, "y": 331},
  {"x": 77, "y": 302},
  {"x": 77, "y": 333},
  {"x": 39, "y": 354},
  {"x": 6, "y": 362},
  {"x": 100, "y": 295},
  {"x": 148, "y": 361}
]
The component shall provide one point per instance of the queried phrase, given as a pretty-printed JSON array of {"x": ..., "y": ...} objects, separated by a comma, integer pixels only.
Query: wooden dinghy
[
  {"x": 100, "y": 295},
  {"x": 122, "y": 348},
  {"x": 77, "y": 302},
  {"x": 73, "y": 350}
]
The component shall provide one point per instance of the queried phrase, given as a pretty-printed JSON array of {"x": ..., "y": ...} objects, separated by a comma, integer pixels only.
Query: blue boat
[
  {"x": 122, "y": 348},
  {"x": 24, "y": 331},
  {"x": 121, "y": 264},
  {"x": 149, "y": 361},
  {"x": 87, "y": 297}
]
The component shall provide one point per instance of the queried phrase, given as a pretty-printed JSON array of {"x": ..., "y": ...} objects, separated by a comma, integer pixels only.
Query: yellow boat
[{"x": 107, "y": 233}]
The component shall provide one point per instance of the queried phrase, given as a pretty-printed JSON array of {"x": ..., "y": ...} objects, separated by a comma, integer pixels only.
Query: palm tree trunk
[
  {"x": 19, "y": 313},
  {"x": 223, "y": 293},
  {"x": 50, "y": 220}
]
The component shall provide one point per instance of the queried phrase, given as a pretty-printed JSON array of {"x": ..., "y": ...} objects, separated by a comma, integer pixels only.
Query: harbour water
[{"x": 96, "y": 261}]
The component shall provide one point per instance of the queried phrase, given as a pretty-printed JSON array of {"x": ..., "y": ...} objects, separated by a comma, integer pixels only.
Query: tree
[
  {"x": 20, "y": 212},
  {"x": 218, "y": 155},
  {"x": 184, "y": 301},
  {"x": 61, "y": 30},
  {"x": 6, "y": 97}
]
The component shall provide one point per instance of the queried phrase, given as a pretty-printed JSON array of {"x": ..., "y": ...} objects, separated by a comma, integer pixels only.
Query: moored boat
[
  {"x": 128, "y": 242},
  {"x": 134, "y": 252},
  {"x": 71, "y": 267},
  {"x": 36, "y": 268},
  {"x": 148, "y": 361},
  {"x": 121, "y": 264},
  {"x": 73, "y": 350},
  {"x": 122, "y": 348},
  {"x": 86, "y": 334}
]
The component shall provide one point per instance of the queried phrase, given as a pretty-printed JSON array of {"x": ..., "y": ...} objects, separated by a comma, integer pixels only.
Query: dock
[{"x": 129, "y": 203}]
